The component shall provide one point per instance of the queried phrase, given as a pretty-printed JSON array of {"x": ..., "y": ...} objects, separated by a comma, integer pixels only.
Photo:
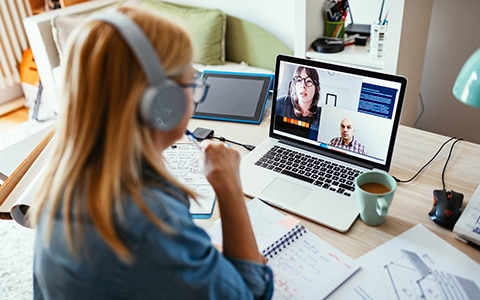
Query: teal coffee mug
[{"x": 374, "y": 192}]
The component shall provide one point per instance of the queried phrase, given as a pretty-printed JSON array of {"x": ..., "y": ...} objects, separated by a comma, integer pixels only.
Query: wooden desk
[
  {"x": 13, "y": 117},
  {"x": 412, "y": 201}
]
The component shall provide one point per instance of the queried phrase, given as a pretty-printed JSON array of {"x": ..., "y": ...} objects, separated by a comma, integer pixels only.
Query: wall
[
  {"x": 453, "y": 37},
  {"x": 406, "y": 55},
  {"x": 276, "y": 16},
  {"x": 367, "y": 11}
]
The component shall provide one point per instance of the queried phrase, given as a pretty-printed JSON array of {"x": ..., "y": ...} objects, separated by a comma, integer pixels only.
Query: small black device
[
  {"x": 447, "y": 208},
  {"x": 203, "y": 133},
  {"x": 353, "y": 28},
  {"x": 360, "y": 29},
  {"x": 328, "y": 45}
]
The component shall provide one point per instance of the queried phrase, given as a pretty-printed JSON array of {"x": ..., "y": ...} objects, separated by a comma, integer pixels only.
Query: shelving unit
[
  {"x": 352, "y": 56},
  {"x": 309, "y": 26},
  {"x": 409, "y": 22}
]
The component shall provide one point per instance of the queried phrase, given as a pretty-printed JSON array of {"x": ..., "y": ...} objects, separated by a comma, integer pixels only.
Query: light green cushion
[
  {"x": 206, "y": 28},
  {"x": 248, "y": 42}
]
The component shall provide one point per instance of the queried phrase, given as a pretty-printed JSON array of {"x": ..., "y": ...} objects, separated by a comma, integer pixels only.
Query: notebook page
[
  {"x": 304, "y": 265},
  {"x": 268, "y": 224},
  {"x": 309, "y": 268}
]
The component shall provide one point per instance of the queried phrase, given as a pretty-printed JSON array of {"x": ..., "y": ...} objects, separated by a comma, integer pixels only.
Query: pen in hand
[{"x": 192, "y": 138}]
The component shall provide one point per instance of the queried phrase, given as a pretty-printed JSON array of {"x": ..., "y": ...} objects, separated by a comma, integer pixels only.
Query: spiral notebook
[{"x": 304, "y": 265}]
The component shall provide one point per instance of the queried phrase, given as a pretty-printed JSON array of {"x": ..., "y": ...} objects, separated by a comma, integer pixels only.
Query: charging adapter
[{"x": 202, "y": 133}]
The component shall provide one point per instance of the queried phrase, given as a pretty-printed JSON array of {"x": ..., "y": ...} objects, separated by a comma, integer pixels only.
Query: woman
[
  {"x": 111, "y": 221},
  {"x": 301, "y": 103}
]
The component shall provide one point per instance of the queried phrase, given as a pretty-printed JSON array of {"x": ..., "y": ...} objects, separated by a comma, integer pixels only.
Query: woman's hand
[{"x": 221, "y": 165}]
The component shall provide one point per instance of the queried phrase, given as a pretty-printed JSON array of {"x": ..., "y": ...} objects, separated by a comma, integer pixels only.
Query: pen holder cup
[
  {"x": 378, "y": 40},
  {"x": 334, "y": 29}
]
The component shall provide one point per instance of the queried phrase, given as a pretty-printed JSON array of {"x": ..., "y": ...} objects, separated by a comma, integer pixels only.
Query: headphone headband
[
  {"x": 163, "y": 103},
  {"x": 138, "y": 43}
]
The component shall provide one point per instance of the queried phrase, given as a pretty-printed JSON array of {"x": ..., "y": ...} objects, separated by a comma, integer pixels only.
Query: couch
[{"x": 221, "y": 42}]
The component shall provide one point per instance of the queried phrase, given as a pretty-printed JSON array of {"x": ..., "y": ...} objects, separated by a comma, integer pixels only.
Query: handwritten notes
[{"x": 182, "y": 162}]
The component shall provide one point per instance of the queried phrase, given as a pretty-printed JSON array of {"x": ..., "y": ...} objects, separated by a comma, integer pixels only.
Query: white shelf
[
  {"x": 352, "y": 56},
  {"x": 309, "y": 27}
]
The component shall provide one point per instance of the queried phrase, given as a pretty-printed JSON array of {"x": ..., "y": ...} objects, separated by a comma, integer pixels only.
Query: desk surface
[{"x": 412, "y": 201}]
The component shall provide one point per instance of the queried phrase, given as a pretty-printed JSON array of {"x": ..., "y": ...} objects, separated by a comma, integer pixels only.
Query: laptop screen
[{"x": 346, "y": 112}]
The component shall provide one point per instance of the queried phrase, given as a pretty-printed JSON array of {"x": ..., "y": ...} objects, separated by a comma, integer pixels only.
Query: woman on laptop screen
[{"x": 300, "y": 106}]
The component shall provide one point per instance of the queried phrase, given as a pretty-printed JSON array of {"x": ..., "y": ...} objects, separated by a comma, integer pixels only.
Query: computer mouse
[{"x": 447, "y": 208}]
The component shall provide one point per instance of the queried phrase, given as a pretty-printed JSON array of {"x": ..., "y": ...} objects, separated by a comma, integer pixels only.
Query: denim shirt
[{"x": 183, "y": 265}]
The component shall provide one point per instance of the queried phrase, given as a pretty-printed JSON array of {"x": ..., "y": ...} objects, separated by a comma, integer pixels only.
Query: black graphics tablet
[{"x": 235, "y": 96}]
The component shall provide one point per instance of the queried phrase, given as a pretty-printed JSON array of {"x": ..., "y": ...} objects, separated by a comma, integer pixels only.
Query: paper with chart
[
  {"x": 414, "y": 265},
  {"x": 304, "y": 266},
  {"x": 468, "y": 225},
  {"x": 182, "y": 162}
]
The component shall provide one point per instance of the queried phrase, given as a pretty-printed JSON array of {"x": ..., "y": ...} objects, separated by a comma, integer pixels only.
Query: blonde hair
[{"x": 101, "y": 143}]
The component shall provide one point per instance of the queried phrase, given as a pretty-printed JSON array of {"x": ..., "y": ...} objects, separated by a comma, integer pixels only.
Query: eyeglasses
[
  {"x": 198, "y": 89},
  {"x": 308, "y": 81}
]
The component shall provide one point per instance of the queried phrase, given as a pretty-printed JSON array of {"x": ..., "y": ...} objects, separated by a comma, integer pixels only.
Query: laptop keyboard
[{"x": 317, "y": 171}]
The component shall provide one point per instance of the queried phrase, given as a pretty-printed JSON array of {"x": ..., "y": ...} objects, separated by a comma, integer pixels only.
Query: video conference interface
[{"x": 367, "y": 106}]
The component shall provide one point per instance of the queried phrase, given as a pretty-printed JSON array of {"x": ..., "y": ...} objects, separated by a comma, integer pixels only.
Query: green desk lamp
[{"x": 467, "y": 85}]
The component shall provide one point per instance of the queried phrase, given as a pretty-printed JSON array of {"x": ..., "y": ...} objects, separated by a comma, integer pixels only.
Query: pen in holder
[
  {"x": 334, "y": 13},
  {"x": 378, "y": 39}
]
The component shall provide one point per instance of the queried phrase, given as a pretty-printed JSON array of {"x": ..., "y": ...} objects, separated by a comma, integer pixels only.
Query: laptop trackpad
[{"x": 283, "y": 191}]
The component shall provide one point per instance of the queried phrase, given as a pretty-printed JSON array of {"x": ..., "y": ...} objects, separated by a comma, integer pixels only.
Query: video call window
[{"x": 368, "y": 104}]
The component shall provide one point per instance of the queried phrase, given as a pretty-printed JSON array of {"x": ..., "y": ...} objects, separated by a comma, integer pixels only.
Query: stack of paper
[
  {"x": 414, "y": 265},
  {"x": 467, "y": 227}
]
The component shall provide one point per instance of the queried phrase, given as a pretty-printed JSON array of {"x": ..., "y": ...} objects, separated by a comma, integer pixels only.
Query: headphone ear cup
[{"x": 162, "y": 107}]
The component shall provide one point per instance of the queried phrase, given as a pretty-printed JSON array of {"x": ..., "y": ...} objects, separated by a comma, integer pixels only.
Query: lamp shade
[{"x": 467, "y": 85}]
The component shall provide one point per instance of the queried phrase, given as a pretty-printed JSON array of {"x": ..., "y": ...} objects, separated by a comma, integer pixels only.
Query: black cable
[
  {"x": 422, "y": 109},
  {"x": 446, "y": 162},
  {"x": 428, "y": 163},
  {"x": 222, "y": 139}
]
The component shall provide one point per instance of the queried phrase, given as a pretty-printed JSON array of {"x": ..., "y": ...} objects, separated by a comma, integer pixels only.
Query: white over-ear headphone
[{"x": 163, "y": 102}]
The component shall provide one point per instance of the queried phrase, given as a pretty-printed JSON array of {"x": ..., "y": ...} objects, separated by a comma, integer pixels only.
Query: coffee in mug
[{"x": 375, "y": 188}]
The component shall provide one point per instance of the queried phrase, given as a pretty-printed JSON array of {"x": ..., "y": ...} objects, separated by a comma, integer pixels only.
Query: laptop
[{"x": 302, "y": 167}]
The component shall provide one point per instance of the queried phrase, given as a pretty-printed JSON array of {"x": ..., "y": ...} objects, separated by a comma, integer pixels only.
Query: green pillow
[{"x": 206, "y": 28}]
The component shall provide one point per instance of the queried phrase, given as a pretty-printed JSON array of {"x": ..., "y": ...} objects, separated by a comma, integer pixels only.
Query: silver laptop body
[{"x": 283, "y": 176}]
